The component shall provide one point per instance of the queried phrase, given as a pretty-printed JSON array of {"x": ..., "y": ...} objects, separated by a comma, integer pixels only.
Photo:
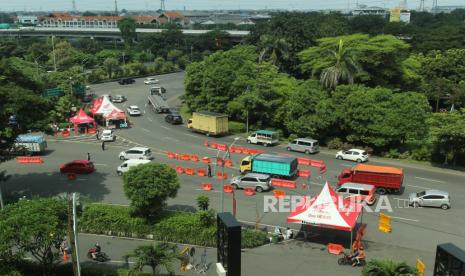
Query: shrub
[
  {"x": 253, "y": 238},
  {"x": 100, "y": 218},
  {"x": 203, "y": 202},
  {"x": 335, "y": 143},
  {"x": 392, "y": 153},
  {"x": 236, "y": 127},
  {"x": 421, "y": 154},
  {"x": 292, "y": 137}
]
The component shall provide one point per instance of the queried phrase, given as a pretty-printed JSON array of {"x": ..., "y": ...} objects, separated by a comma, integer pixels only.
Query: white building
[{"x": 27, "y": 20}]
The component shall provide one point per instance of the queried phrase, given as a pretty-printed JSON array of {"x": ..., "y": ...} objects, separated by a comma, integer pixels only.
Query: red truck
[{"x": 385, "y": 179}]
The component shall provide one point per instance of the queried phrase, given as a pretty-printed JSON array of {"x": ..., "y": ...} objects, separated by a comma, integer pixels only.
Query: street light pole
[
  {"x": 222, "y": 171},
  {"x": 54, "y": 56}
]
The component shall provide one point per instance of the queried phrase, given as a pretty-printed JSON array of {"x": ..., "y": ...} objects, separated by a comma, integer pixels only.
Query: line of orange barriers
[
  {"x": 29, "y": 160},
  {"x": 232, "y": 149},
  {"x": 195, "y": 158}
]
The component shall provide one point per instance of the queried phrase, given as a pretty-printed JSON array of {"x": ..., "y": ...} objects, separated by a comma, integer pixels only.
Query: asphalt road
[{"x": 416, "y": 232}]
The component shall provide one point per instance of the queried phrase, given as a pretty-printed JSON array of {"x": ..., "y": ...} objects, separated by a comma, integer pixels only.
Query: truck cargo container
[
  {"x": 30, "y": 144},
  {"x": 209, "y": 123},
  {"x": 385, "y": 179},
  {"x": 274, "y": 165}
]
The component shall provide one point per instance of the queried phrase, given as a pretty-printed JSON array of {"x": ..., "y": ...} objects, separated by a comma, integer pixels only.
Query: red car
[{"x": 77, "y": 166}]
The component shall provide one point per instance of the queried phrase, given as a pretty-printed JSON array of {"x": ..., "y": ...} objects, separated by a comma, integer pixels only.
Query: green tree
[
  {"x": 342, "y": 67},
  {"x": 110, "y": 64},
  {"x": 387, "y": 268},
  {"x": 447, "y": 133},
  {"x": 154, "y": 256},
  {"x": 127, "y": 27},
  {"x": 35, "y": 227},
  {"x": 273, "y": 49},
  {"x": 368, "y": 24},
  {"x": 203, "y": 202},
  {"x": 148, "y": 187}
]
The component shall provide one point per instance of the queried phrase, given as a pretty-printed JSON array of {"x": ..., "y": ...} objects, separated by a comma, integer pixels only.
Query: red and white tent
[
  {"x": 105, "y": 107},
  {"x": 327, "y": 210},
  {"x": 82, "y": 120}
]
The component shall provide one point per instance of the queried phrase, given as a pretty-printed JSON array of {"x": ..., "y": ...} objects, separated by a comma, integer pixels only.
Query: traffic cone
[{"x": 65, "y": 255}]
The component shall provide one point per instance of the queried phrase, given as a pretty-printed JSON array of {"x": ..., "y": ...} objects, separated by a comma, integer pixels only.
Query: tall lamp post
[{"x": 222, "y": 170}]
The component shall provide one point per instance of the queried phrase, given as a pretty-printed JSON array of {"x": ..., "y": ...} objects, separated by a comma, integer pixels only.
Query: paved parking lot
[{"x": 416, "y": 232}]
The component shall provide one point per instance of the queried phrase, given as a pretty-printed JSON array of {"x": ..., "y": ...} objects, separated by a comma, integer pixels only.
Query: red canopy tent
[
  {"x": 81, "y": 119},
  {"x": 327, "y": 210},
  {"x": 95, "y": 105}
]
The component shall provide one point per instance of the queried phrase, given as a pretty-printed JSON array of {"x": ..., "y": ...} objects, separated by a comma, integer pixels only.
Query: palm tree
[
  {"x": 273, "y": 49},
  {"x": 344, "y": 66},
  {"x": 161, "y": 254},
  {"x": 388, "y": 268}
]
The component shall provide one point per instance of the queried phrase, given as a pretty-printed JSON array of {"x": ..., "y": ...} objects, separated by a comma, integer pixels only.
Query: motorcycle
[
  {"x": 99, "y": 256},
  {"x": 347, "y": 260}
]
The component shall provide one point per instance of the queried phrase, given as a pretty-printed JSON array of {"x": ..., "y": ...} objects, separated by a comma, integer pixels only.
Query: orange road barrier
[
  {"x": 206, "y": 160},
  {"x": 283, "y": 183},
  {"x": 92, "y": 131},
  {"x": 222, "y": 147},
  {"x": 65, "y": 133},
  {"x": 189, "y": 171},
  {"x": 253, "y": 151},
  {"x": 179, "y": 169},
  {"x": 245, "y": 151},
  {"x": 214, "y": 146},
  {"x": 65, "y": 255},
  {"x": 334, "y": 248},
  {"x": 228, "y": 189},
  {"x": 219, "y": 162},
  {"x": 228, "y": 163},
  {"x": 304, "y": 161},
  {"x": 249, "y": 191},
  {"x": 235, "y": 149},
  {"x": 304, "y": 186},
  {"x": 171, "y": 155},
  {"x": 384, "y": 224},
  {"x": 194, "y": 158},
  {"x": 279, "y": 193},
  {"x": 71, "y": 176},
  {"x": 185, "y": 157},
  {"x": 29, "y": 159},
  {"x": 201, "y": 172},
  {"x": 304, "y": 173},
  {"x": 205, "y": 143},
  {"x": 220, "y": 176},
  {"x": 207, "y": 186}
]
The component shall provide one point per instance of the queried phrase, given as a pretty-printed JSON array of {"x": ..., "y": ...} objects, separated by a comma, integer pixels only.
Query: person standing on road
[
  {"x": 88, "y": 156},
  {"x": 209, "y": 170},
  {"x": 103, "y": 145},
  {"x": 97, "y": 133}
]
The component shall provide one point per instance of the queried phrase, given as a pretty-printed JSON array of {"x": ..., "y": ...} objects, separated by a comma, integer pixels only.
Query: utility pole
[
  {"x": 422, "y": 5},
  {"x": 435, "y": 6},
  {"x": 116, "y": 7},
  {"x": 74, "y": 6},
  {"x": 75, "y": 230},
  {"x": 162, "y": 5},
  {"x": 71, "y": 235}
]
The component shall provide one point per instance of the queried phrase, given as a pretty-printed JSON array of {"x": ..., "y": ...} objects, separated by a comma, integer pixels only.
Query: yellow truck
[{"x": 209, "y": 123}]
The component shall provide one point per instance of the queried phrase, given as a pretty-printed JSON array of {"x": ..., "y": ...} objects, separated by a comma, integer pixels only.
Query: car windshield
[
  {"x": 364, "y": 153},
  {"x": 421, "y": 194}
]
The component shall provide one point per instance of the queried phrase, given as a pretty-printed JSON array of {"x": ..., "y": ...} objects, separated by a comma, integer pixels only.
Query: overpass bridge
[{"x": 112, "y": 33}]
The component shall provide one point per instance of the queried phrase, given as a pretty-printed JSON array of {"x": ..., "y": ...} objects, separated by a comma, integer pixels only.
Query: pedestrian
[
  {"x": 88, "y": 156},
  {"x": 103, "y": 145},
  {"x": 209, "y": 170},
  {"x": 97, "y": 133}
]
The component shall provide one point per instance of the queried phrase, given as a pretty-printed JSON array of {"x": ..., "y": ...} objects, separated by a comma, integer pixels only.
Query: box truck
[
  {"x": 274, "y": 165},
  {"x": 209, "y": 123}
]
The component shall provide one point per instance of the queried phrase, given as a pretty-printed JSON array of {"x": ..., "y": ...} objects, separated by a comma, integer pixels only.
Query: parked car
[
  {"x": 261, "y": 182},
  {"x": 430, "y": 198},
  {"x": 77, "y": 166},
  {"x": 304, "y": 145},
  {"x": 136, "y": 153},
  {"x": 118, "y": 99},
  {"x": 151, "y": 80},
  {"x": 134, "y": 110},
  {"x": 264, "y": 137},
  {"x": 173, "y": 119},
  {"x": 108, "y": 135},
  {"x": 124, "y": 81},
  {"x": 129, "y": 164},
  {"x": 357, "y": 155},
  {"x": 88, "y": 98},
  {"x": 358, "y": 192}
]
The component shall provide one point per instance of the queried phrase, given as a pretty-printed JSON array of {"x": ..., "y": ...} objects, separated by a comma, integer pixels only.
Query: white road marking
[
  {"x": 428, "y": 179},
  {"x": 144, "y": 111},
  {"x": 191, "y": 135},
  {"x": 150, "y": 119},
  {"x": 145, "y": 105},
  {"x": 420, "y": 187},
  {"x": 97, "y": 164},
  {"x": 415, "y": 220},
  {"x": 170, "y": 138},
  {"x": 164, "y": 127},
  {"x": 144, "y": 129},
  {"x": 212, "y": 191}
]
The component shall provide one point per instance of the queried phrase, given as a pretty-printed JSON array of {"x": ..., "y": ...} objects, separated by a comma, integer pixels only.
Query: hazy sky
[{"x": 46, "y": 5}]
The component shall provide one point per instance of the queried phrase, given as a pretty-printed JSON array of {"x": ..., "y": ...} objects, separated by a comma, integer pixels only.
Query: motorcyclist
[
  {"x": 358, "y": 256},
  {"x": 95, "y": 250}
]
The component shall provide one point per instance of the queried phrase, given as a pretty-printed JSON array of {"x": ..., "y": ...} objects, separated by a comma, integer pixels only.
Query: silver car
[
  {"x": 261, "y": 182},
  {"x": 430, "y": 198},
  {"x": 304, "y": 145}
]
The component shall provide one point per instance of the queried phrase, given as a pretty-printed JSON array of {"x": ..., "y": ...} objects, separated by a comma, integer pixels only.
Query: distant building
[
  {"x": 446, "y": 9},
  {"x": 370, "y": 11},
  {"x": 67, "y": 20},
  {"x": 173, "y": 17},
  {"x": 26, "y": 19}
]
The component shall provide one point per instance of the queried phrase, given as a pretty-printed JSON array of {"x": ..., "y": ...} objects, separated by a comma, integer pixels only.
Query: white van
[{"x": 129, "y": 164}]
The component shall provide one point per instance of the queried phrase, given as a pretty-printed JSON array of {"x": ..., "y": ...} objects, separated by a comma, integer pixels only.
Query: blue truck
[
  {"x": 30, "y": 144},
  {"x": 274, "y": 165}
]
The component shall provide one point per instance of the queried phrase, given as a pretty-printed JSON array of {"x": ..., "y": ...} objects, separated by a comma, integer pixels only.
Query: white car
[
  {"x": 136, "y": 153},
  {"x": 134, "y": 110},
  {"x": 151, "y": 81},
  {"x": 118, "y": 99},
  {"x": 357, "y": 155},
  {"x": 108, "y": 135}
]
